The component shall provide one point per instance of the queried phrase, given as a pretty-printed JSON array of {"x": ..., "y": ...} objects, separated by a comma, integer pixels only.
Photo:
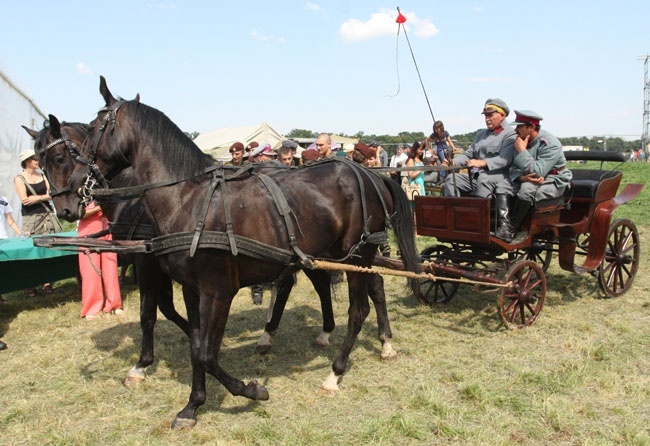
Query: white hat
[
  {"x": 263, "y": 149},
  {"x": 25, "y": 155},
  {"x": 348, "y": 147}
]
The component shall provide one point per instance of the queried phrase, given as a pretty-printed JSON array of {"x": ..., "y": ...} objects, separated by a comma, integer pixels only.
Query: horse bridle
[
  {"x": 95, "y": 176},
  {"x": 74, "y": 151}
]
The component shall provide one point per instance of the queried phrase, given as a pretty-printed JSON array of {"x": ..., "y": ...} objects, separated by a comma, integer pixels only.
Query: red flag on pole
[{"x": 400, "y": 18}]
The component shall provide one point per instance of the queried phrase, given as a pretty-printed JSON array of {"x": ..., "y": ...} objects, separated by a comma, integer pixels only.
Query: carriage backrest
[{"x": 597, "y": 185}]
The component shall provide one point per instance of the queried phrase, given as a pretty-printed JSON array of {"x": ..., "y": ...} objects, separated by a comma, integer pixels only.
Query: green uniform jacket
[{"x": 543, "y": 156}]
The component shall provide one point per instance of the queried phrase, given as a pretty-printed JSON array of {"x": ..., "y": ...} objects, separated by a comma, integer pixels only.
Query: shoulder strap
[{"x": 31, "y": 189}]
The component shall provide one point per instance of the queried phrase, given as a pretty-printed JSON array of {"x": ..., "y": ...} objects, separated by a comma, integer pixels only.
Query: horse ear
[
  {"x": 137, "y": 97},
  {"x": 105, "y": 92},
  {"x": 30, "y": 132},
  {"x": 55, "y": 127}
]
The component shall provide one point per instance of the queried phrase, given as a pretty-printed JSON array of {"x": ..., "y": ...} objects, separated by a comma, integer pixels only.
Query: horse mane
[{"x": 178, "y": 153}]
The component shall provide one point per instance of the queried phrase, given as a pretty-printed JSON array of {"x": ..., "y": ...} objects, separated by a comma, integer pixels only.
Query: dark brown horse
[
  {"x": 57, "y": 146},
  {"x": 213, "y": 245}
]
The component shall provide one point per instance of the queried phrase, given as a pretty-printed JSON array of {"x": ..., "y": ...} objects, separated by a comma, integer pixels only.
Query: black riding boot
[
  {"x": 519, "y": 214},
  {"x": 504, "y": 230}
]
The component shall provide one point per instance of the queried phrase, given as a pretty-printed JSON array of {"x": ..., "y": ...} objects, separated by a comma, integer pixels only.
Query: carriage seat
[{"x": 585, "y": 182}]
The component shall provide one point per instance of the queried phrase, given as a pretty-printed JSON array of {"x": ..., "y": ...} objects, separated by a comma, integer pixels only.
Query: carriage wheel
[
  {"x": 540, "y": 251},
  {"x": 520, "y": 304},
  {"x": 618, "y": 269},
  {"x": 582, "y": 241},
  {"x": 438, "y": 291}
]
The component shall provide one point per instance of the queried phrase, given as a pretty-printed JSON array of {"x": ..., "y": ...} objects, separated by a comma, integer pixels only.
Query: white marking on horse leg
[
  {"x": 323, "y": 339},
  {"x": 264, "y": 340},
  {"x": 135, "y": 376},
  {"x": 330, "y": 385},
  {"x": 387, "y": 351}
]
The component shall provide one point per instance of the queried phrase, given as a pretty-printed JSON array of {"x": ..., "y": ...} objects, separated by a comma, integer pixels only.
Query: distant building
[{"x": 574, "y": 148}]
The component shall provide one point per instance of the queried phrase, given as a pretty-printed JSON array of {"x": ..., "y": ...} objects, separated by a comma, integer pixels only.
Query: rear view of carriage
[{"x": 579, "y": 225}]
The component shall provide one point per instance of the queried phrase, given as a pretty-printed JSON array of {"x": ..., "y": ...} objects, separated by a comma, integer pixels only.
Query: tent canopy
[{"x": 218, "y": 142}]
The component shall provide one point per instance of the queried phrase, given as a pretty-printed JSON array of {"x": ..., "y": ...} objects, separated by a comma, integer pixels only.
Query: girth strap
[{"x": 285, "y": 211}]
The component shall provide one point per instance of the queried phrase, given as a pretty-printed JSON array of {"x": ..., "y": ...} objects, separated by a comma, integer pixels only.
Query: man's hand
[
  {"x": 521, "y": 144},
  {"x": 481, "y": 164},
  {"x": 531, "y": 178}
]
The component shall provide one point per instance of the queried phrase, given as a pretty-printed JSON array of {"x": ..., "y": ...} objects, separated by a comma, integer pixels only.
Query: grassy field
[{"x": 579, "y": 376}]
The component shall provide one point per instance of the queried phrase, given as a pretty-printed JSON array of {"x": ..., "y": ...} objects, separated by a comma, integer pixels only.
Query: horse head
[
  {"x": 105, "y": 154},
  {"x": 128, "y": 132},
  {"x": 57, "y": 146}
]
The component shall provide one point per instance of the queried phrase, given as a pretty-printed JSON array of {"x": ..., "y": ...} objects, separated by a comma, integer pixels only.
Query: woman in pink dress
[{"x": 100, "y": 285}]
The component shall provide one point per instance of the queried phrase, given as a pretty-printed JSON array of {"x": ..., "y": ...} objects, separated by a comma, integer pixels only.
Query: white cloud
[
  {"x": 383, "y": 23},
  {"x": 312, "y": 6},
  {"x": 83, "y": 69},
  {"x": 267, "y": 39}
]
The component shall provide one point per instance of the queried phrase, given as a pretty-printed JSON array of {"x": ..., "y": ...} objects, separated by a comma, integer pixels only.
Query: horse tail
[{"x": 404, "y": 228}]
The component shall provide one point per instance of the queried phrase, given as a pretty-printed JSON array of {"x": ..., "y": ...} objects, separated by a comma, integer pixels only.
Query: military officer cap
[
  {"x": 527, "y": 117},
  {"x": 496, "y": 105}
]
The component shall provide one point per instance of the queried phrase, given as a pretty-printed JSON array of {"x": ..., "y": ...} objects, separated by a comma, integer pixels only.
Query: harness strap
[
  {"x": 226, "y": 210},
  {"x": 219, "y": 240},
  {"x": 217, "y": 177},
  {"x": 128, "y": 193},
  {"x": 369, "y": 173},
  {"x": 285, "y": 211}
]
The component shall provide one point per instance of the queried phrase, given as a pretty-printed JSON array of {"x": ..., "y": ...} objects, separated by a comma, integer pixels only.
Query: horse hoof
[
  {"x": 390, "y": 356},
  {"x": 323, "y": 340},
  {"x": 328, "y": 391},
  {"x": 183, "y": 423},
  {"x": 134, "y": 378},
  {"x": 263, "y": 349},
  {"x": 259, "y": 393},
  {"x": 331, "y": 385}
]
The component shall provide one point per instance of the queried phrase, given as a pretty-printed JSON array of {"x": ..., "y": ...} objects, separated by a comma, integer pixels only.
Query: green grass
[{"x": 579, "y": 376}]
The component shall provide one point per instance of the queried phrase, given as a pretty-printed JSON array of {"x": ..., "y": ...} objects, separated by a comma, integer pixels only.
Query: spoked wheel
[
  {"x": 618, "y": 269},
  {"x": 520, "y": 304},
  {"x": 583, "y": 241},
  {"x": 437, "y": 291},
  {"x": 540, "y": 251}
]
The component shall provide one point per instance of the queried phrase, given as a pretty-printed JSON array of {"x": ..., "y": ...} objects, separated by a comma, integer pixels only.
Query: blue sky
[{"x": 336, "y": 65}]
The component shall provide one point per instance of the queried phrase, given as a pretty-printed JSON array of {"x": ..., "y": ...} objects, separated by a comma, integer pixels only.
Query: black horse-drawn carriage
[{"x": 577, "y": 224}]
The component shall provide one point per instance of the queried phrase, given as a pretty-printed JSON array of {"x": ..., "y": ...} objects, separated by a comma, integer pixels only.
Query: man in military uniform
[
  {"x": 324, "y": 145},
  {"x": 237, "y": 152},
  {"x": 488, "y": 159},
  {"x": 538, "y": 170}
]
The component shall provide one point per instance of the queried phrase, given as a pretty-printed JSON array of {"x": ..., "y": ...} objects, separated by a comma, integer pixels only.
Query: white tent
[
  {"x": 218, "y": 142},
  {"x": 16, "y": 109}
]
